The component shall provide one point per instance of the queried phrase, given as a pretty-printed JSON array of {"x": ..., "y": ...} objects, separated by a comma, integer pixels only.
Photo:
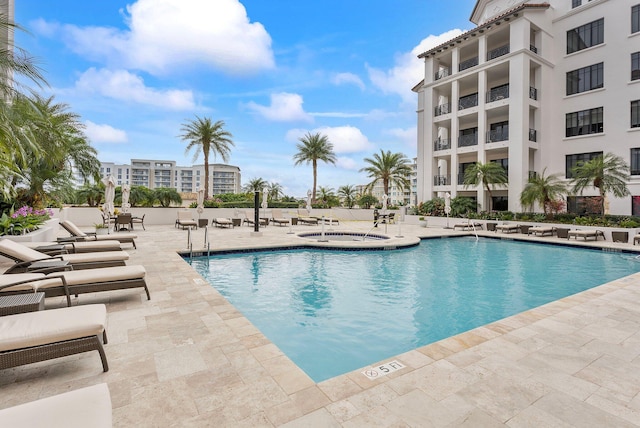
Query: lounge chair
[
  {"x": 79, "y": 235},
  {"x": 305, "y": 219},
  {"x": 542, "y": 230},
  {"x": 67, "y": 283},
  {"x": 278, "y": 218},
  {"x": 585, "y": 234},
  {"x": 468, "y": 225},
  {"x": 222, "y": 222},
  {"x": 185, "y": 219},
  {"x": 636, "y": 239},
  {"x": 55, "y": 248},
  {"x": 37, "y": 336},
  {"x": 249, "y": 219},
  {"x": 26, "y": 257},
  {"x": 508, "y": 228},
  {"x": 85, "y": 407}
]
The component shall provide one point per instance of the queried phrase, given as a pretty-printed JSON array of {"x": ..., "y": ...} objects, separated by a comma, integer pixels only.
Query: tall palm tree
[
  {"x": 254, "y": 185},
  {"x": 326, "y": 195},
  {"x": 485, "y": 174},
  {"x": 311, "y": 149},
  {"x": 206, "y": 137},
  {"x": 608, "y": 174},
  {"x": 542, "y": 189},
  {"x": 390, "y": 168},
  {"x": 348, "y": 194},
  {"x": 274, "y": 190},
  {"x": 166, "y": 196}
]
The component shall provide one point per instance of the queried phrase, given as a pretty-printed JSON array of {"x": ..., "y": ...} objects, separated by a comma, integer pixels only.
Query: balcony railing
[
  {"x": 441, "y": 144},
  {"x": 533, "y": 93},
  {"x": 460, "y": 179},
  {"x": 468, "y": 101},
  {"x": 471, "y": 62},
  {"x": 442, "y": 109},
  {"x": 468, "y": 140},
  {"x": 496, "y": 135},
  {"x": 441, "y": 180},
  {"x": 442, "y": 73},
  {"x": 532, "y": 174},
  {"x": 533, "y": 49},
  {"x": 497, "y": 52},
  {"x": 499, "y": 93},
  {"x": 533, "y": 135}
]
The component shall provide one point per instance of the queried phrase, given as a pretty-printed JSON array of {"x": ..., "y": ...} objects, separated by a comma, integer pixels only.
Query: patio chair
[
  {"x": 278, "y": 218},
  {"x": 123, "y": 222},
  {"x": 222, "y": 222},
  {"x": 26, "y": 258},
  {"x": 32, "y": 337},
  {"x": 84, "y": 407},
  {"x": 586, "y": 234},
  {"x": 636, "y": 239},
  {"x": 79, "y": 235},
  {"x": 138, "y": 220},
  {"x": 76, "y": 282},
  {"x": 542, "y": 230},
  {"x": 508, "y": 228},
  {"x": 185, "y": 219}
]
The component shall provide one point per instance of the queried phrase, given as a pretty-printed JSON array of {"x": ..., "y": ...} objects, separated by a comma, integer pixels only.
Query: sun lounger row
[{"x": 468, "y": 226}]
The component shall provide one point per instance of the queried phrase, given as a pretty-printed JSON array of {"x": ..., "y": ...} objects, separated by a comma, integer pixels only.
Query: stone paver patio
[{"x": 188, "y": 358}]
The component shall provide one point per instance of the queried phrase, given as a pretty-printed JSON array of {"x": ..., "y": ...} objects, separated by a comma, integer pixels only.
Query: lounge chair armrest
[
  {"x": 70, "y": 239},
  {"x": 25, "y": 281}
]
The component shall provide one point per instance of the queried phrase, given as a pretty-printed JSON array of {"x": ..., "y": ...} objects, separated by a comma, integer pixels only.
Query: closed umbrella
[
  {"x": 126, "y": 191},
  {"x": 109, "y": 194},
  {"x": 447, "y": 207},
  {"x": 385, "y": 200},
  {"x": 309, "y": 201},
  {"x": 265, "y": 202},
  {"x": 200, "y": 201}
]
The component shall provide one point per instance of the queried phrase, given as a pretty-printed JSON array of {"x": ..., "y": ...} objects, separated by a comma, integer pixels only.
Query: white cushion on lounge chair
[
  {"x": 39, "y": 281},
  {"x": 26, "y": 254},
  {"x": 50, "y": 326},
  {"x": 87, "y": 276},
  {"x": 85, "y": 407},
  {"x": 80, "y": 246}
]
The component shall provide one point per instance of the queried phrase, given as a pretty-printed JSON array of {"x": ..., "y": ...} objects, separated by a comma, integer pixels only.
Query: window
[
  {"x": 635, "y": 66},
  {"x": 573, "y": 160},
  {"x": 500, "y": 203},
  {"x": 585, "y": 79},
  {"x": 635, "y": 162},
  {"x": 498, "y": 132},
  {"x": 585, "y": 36},
  {"x": 504, "y": 163},
  {"x": 576, "y": 3},
  {"x": 635, "y": 114},
  {"x": 585, "y": 122},
  {"x": 635, "y": 18},
  {"x": 635, "y": 205},
  {"x": 584, "y": 205}
]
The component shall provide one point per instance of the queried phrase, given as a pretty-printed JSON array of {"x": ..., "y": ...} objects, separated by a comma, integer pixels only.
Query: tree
[
  {"x": 367, "y": 200},
  {"x": 92, "y": 194},
  {"x": 326, "y": 195},
  {"x": 485, "y": 174},
  {"x": 206, "y": 137},
  {"x": 255, "y": 185},
  {"x": 608, "y": 174},
  {"x": 543, "y": 190},
  {"x": 311, "y": 149},
  {"x": 348, "y": 194},
  {"x": 274, "y": 191},
  {"x": 140, "y": 196},
  {"x": 166, "y": 196},
  {"x": 390, "y": 168}
]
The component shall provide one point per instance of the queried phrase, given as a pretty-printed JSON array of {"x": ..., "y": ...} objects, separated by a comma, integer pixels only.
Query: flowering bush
[{"x": 24, "y": 220}]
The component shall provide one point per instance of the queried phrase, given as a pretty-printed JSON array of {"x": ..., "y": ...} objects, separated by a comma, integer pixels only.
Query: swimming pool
[{"x": 332, "y": 312}]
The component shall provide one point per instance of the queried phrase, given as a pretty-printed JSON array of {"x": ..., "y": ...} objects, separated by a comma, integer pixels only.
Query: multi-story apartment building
[
  {"x": 535, "y": 86},
  {"x": 165, "y": 173}
]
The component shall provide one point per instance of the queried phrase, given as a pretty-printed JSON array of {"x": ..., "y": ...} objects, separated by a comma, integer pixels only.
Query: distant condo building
[
  {"x": 165, "y": 173},
  {"x": 534, "y": 86}
]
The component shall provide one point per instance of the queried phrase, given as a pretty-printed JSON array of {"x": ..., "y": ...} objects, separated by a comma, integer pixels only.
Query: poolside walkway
[{"x": 189, "y": 358}]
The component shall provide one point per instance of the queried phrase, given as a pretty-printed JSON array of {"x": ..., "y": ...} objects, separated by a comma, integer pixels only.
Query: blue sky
[{"x": 272, "y": 70}]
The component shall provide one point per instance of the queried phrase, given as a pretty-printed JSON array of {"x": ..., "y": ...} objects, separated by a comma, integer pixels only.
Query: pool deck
[{"x": 189, "y": 358}]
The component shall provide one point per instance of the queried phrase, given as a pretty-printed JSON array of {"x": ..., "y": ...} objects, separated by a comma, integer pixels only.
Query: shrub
[{"x": 24, "y": 220}]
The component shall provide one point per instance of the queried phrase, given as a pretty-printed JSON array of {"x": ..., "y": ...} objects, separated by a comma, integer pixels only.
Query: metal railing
[
  {"x": 441, "y": 144},
  {"x": 442, "y": 109},
  {"x": 533, "y": 93},
  {"x": 533, "y": 49},
  {"x": 496, "y": 135},
  {"x": 442, "y": 73},
  {"x": 533, "y": 135},
  {"x": 533, "y": 174},
  {"x": 460, "y": 179},
  {"x": 471, "y": 62},
  {"x": 497, "y": 52},
  {"x": 468, "y": 140},
  {"x": 499, "y": 93},
  {"x": 468, "y": 101},
  {"x": 441, "y": 180}
]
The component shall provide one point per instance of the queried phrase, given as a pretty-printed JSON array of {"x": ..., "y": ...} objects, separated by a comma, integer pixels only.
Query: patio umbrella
[
  {"x": 126, "y": 191},
  {"x": 447, "y": 203},
  {"x": 109, "y": 194},
  {"x": 200, "y": 201},
  {"x": 309, "y": 201},
  {"x": 265, "y": 201},
  {"x": 385, "y": 199}
]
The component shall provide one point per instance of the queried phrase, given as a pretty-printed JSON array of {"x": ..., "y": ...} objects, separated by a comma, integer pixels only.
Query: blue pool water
[{"x": 333, "y": 312}]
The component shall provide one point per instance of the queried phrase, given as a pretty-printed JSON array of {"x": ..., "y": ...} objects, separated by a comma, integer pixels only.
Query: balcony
[
  {"x": 442, "y": 109},
  {"x": 468, "y": 101},
  {"x": 533, "y": 49},
  {"x": 533, "y": 135},
  {"x": 468, "y": 140},
  {"x": 460, "y": 179},
  {"x": 441, "y": 144},
  {"x": 497, "y": 135},
  {"x": 441, "y": 180},
  {"x": 442, "y": 73},
  {"x": 498, "y": 93},
  {"x": 533, "y": 174},
  {"x": 533, "y": 93},
  {"x": 471, "y": 62},
  {"x": 497, "y": 52}
]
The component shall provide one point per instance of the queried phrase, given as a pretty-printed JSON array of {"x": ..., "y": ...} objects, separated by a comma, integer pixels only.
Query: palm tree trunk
[
  {"x": 602, "y": 195},
  {"x": 490, "y": 197},
  {"x": 315, "y": 179},
  {"x": 206, "y": 175}
]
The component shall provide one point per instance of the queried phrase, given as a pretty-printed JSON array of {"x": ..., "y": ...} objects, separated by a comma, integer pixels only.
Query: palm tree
[
  {"x": 348, "y": 194},
  {"x": 313, "y": 148},
  {"x": 485, "y": 174},
  {"x": 166, "y": 196},
  {"x": 207, "y": 137},
  {"x": 92, "y": 194},
  {"x": 325, "y": 195},
  {"x": 390, "y": 168},
  {"x": 274, "y": 191},
  {"x": 608, "y": 173},
  {"x": 542, "y": 189},
  {"x": 254, "y": 185}
]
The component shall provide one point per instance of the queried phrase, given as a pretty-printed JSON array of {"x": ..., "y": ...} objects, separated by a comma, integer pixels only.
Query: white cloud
[
  {"x": 347, "y": 78},
  {"x": 408, "y": 69},
  {"x": 347, "y": 163},
  {"x": 345, "y": 139},
  {"x": 166, "y": 34},
  {"x": 284, "y": 108},
  {"x": 406, "y": 136},
  {"x": 104, "y": 133},
  {"x": 126, "y": 86}
]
